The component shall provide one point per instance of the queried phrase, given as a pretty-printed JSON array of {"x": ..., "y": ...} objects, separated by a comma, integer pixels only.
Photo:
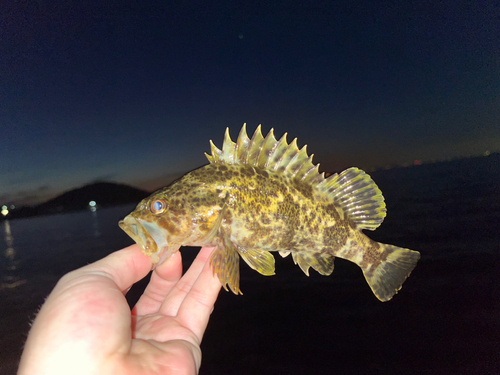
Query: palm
[{"x": 163, "y": 332}]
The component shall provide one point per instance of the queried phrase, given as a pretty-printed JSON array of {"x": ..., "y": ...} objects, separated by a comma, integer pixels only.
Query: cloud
[{"x": 104, "y": 178}]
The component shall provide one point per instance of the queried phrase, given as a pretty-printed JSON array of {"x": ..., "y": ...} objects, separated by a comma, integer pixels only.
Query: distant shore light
[
  {"x": 4, "y": 211},
  {"x": 92, "y": 203}
]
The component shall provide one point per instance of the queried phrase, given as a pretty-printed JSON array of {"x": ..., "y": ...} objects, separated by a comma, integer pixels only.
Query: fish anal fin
[
  {"x": 322, "y": 263},
  {"x": 299, "y": 259},
  {"x": 225, "y": 264},
  {"x": 387, "y": 276},
  {"x": 260, "y": 260}
]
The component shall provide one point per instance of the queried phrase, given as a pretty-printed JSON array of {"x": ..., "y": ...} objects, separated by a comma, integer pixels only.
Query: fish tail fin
[{"x": 387, "y": 276}]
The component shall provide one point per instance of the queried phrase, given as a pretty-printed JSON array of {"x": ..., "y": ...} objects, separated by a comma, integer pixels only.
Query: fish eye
[{"x": 158, "y": 206}]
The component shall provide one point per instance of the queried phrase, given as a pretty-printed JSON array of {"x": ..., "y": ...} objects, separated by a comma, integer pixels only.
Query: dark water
[
  {"x": 35, "y": 253},
  {"x": 445, "y": 320}
]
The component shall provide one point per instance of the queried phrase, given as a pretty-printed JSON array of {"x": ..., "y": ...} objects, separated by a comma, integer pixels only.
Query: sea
[{"x": 445, "y": 320}]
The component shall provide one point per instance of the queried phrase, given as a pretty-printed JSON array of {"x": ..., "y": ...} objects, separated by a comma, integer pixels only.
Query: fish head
[{"x": 158, "y": 229}]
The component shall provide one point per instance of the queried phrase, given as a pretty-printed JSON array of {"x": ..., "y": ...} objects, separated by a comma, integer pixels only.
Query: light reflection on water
[
  {"x": 95, "y": 223},
  {"x": 9, "y": 279},
  {"x": 9, "y": 241}
]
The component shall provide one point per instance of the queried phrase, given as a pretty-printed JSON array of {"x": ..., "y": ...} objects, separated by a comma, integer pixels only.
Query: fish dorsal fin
[
  {"x": 358, "y": 195},
  {"x": 267, "y": 153},
  {"x": 354, "y": 190}
]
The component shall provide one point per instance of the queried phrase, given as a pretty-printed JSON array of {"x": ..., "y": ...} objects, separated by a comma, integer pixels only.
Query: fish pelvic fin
[
  {"x": 387, "y": 275},
  {"x": 225, "y": 263}
]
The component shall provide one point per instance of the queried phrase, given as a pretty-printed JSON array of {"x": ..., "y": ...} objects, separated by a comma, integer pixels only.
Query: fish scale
[{"x": 260, "y": 195}]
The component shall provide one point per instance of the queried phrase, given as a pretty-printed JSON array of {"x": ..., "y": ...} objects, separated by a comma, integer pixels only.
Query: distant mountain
[{"x": 104, "y": 194}]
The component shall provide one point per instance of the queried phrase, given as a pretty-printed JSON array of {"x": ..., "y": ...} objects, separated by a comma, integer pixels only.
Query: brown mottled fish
[{"x": 261, "y": 195}]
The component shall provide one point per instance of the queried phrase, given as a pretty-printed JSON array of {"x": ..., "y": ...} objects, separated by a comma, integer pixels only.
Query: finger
[
  {"x": 173, "y": 301},
  {"x": 198, "y": 304},
  {"x": 124, "y": 267},
  {"x": 162, "y": 281}
]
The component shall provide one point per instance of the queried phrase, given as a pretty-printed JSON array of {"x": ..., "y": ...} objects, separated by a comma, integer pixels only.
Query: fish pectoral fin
[
  {"x": 322, "y": 263},
  {"x": 225, "y": 264},
  {"x": 260, "y": 260}
]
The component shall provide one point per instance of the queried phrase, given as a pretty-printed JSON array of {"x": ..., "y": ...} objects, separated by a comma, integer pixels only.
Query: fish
[{"x": 261, "y": 195}]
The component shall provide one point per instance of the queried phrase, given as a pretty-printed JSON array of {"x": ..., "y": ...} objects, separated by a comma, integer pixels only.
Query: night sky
[{"x": 132, "y": 92}]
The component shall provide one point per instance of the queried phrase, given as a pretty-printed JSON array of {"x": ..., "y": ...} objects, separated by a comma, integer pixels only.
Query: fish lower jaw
[
  {"x": 155, "y": 259},
  {"x": 163, "y": 254}
]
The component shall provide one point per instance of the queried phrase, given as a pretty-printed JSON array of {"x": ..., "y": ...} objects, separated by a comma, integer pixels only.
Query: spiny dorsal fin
[
  {"x": 353, "y": 189},
  {"x": 358, "y": 195},
  {"x": 267, "y": 153}
]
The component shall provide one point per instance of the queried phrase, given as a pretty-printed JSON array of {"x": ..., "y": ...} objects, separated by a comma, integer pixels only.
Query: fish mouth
[{"x": 145, "y": 234}]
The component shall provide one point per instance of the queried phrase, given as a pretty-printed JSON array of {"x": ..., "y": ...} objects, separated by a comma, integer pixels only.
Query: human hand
[{"x": 86, "y": 327}]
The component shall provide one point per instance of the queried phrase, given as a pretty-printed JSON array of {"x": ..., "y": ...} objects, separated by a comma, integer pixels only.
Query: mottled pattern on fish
[{"x": 261, "y": 195}]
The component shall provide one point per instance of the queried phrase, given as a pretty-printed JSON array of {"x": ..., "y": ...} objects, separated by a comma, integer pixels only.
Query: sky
[{"x": 132, "y": 91}]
